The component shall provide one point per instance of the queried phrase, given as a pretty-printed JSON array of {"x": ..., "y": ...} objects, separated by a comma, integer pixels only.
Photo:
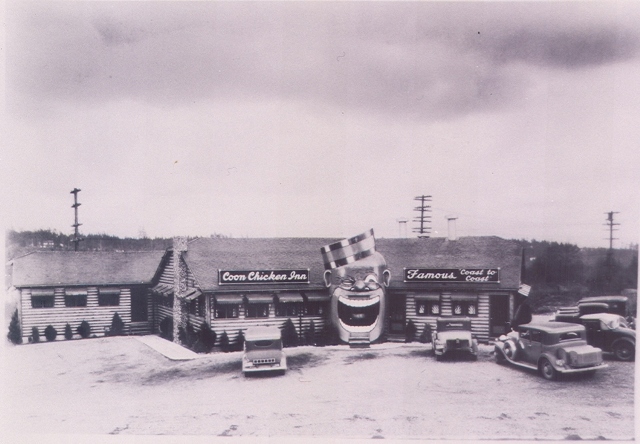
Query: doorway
[
  {"x": 498, "y": 314},
  {"x": 397, "y": 314},
  {"x": 139, "y": 310}
]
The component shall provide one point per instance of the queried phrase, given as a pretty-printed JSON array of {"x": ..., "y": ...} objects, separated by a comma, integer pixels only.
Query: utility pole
[
  {"x": 611, "y": 224},
  {"x": 423, "y": 219},
  {"x": 76, "y": 235}
]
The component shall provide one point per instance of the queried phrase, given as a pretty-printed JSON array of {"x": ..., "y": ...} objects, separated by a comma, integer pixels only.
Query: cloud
[{"x": 431, "y": 61}]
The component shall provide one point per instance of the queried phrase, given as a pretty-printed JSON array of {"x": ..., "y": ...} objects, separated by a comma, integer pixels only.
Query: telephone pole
[
  {"x": 76, "y": 235},
  {"x": 611, "y": 224},
  {"x": 423, "y": 219}
]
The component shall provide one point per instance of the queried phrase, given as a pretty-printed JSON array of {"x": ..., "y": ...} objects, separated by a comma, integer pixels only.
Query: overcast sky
[{"x": 323, "y": 119}]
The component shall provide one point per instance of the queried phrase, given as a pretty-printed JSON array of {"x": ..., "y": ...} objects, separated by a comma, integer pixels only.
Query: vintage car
[
  {"x": 263, "y": 350},
  {"x": 594, "y": 304},
  {"x": 549, "y": 347},
  {"x": 611, "y": 333},
  {"x": 453, "y": 336}
]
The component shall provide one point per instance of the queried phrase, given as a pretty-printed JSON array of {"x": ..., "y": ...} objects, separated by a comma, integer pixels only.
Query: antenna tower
[
  {"x": 76, "y": 235},
  {"x": 423, "y": 219}
]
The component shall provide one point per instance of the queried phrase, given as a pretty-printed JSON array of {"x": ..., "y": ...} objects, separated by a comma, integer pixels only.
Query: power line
[
  {"x": 76, "y": 235},
  {"x": 610, "y": 223},
  {"x": 423, "y": 229}
]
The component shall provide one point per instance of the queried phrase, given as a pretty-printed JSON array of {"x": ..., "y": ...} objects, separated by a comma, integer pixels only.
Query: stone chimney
[
  {"x": 179, "y": 287},
  {"x": 451, "y": 227}
]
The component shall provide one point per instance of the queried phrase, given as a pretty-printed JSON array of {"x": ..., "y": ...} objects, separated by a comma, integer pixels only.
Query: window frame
[
  {"x": 428, "y": 307},
  {"x": 289, "y": 309},
  {"x": 225, "y": 308},
  {"x": 251, "y": 307},
  {"x": 46, "y": 301},
  {"x": 72, "y": 300},
  {"x": 107, "y": 299}
]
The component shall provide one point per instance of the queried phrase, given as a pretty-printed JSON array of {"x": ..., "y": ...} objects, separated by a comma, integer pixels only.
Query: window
[
  {"x": 75, "y": 300},
  {"x": 226, "y": 311},
  {"x": 464, "y": 308},
  {"x": 42, "y": 301},
  {"x": 257, "y": 310},
  {"x": 196, "y": 306},
  {"x": 427, "y": 308},
  {"x": 288, "y": 309},
  {"x": 165, "y": 301},
  {"x": 109, "y": 298},
  {"x": 464, "y": 305},
  {"x": 536, "y": 336},
  {"x": 314, "y": 308}
]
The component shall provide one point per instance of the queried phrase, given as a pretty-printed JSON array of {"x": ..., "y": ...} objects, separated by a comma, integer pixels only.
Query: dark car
[
  {"x": 549, "y": 347},
  {"x": 594, "y": 304},
  {"x": 611, "y": 333}
]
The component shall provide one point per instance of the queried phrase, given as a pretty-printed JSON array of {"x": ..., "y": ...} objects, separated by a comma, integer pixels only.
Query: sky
[{"x": 318, "y": 119}]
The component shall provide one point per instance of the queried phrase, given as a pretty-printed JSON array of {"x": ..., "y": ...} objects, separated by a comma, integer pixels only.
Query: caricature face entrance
[{"x": 358, "y": 312}]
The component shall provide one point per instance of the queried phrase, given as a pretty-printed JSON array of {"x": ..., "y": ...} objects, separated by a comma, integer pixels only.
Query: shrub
[
  {"x": 329, "y": 335},
  {"x": 411, "y": 331},
  {"x": 15, "y": 332},
  {"x": 239, "y": 344},
  {"x": 84, "y": 329},
  {"x": 310, "y": 335},
  {"x": 206, "y": 338},
  {"x": 117, "y": 326},
  {"x": 50, "y": 333},
  {"x": 425, "y": 336},
  {"x": 224, "y": 342},
  {"x": 68, "y": 333},
  {"x": 289, "y": 334},
  {"x": 35, "y": 335},
  {"x": 166, "y": 328}
]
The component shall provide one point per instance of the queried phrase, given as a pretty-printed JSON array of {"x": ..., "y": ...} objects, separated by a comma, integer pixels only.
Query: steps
[{"x": 359, "y": 340}]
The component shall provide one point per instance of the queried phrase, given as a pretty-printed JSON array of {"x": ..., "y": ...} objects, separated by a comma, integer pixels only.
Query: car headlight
[{"x": 560, "y": 362}]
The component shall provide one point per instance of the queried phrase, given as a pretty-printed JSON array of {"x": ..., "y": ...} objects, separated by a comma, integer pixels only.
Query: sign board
[
  {"x": 243, "y": 277},
  {"x": 469, "y": 275}
]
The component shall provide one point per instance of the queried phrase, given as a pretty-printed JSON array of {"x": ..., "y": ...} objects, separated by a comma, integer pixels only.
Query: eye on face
[{"x": 360, "y": 283}]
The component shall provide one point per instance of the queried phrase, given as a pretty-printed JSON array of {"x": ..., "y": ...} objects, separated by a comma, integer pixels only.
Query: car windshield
[{"x": 569, "y": 336}]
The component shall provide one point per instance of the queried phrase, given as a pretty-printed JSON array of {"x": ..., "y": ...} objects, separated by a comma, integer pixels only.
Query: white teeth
[
  {"x": 357, "y": 329},
  {"x": 359, "y": 302}
]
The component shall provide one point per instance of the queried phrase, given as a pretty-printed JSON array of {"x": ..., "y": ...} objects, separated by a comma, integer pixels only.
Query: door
[
  {"x": 531, "y": 344},
  {"x": 498, "y": 314},
  {"x": 397, "y": 313},
  {"x": 139, "y": 305}
]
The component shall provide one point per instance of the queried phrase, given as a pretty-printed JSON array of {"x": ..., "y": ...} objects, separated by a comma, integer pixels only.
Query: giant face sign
[{"x": 357, "y": 277}]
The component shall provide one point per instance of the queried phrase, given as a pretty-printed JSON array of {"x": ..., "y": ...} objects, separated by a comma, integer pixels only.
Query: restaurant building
[
  {"x": 232, "y": 284},
  {"x": 59, "y": 287}
]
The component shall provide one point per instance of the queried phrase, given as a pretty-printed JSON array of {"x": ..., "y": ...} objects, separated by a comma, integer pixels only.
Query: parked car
[
  {"x": 551, "y": 348},
  {"x": 594, "y": 304},
  {"x": 263, "y": 350},
  {"x": 611, "y": 333},
  {"x": 453, "y": 335}
]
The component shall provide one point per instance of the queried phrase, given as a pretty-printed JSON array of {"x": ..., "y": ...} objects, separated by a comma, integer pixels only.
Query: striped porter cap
[{"x": 349, "y": 250}]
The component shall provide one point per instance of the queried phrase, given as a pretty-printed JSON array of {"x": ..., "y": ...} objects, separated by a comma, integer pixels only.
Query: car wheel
[
  {"x": 438, "y": 357},
  {"x": 499, "y": 356},
  {"x": 511, "y": 350},
  {"x": 624, "y": 351},
  {"x": 546, "y": 370}
]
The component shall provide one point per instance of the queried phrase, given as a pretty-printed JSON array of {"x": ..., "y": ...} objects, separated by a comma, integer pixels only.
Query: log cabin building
[
  {"x": 233, "y": 284},
  {"x": 60, "y": 287}
]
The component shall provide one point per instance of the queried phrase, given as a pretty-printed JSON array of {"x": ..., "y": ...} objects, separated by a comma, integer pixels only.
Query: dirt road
[{"x": 120, "y": 386}]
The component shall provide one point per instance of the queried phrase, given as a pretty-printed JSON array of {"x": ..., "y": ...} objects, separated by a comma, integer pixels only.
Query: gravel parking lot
[{"x": 121, "y": 386}]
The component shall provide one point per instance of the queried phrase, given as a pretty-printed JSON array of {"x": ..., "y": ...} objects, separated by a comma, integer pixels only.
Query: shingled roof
[
  {"x": 69, "y": 268},
  {"x": 205, "y": 256}
]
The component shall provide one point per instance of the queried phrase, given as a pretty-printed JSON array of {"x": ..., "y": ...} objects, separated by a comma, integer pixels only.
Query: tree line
[{"x": 559, "y": 273}]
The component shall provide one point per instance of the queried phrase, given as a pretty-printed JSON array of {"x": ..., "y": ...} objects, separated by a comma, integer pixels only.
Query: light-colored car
[
  {"x": 551, "y": 348},
  {"x": 263, "y": 350},
  {"x": 453, "y": 335}
]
